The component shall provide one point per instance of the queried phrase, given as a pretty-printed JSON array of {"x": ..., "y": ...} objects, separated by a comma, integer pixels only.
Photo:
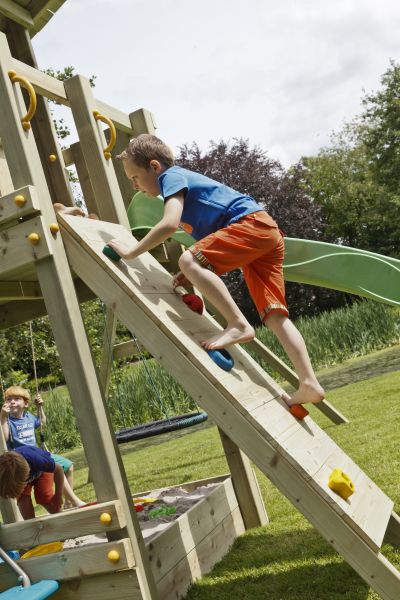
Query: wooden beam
[
  {"x": 392, "y": 535},
  {"x": 109, "y": 205},
  {"x": 17, "y": 251},
  {"x": 142, "y": 122},
  {"x": 6, "y": 185},
  {"x": 62, "y": 526},
  {"x": 245, "y": 484},
  {"x": 16, "y": 13},
  {"x": 112, "y": 586},
  {"x": 70, "y": 564},
  {"x": 83, "y": 176},
  {"x": 19, "y": 204},
  {"x": 20, "y": 290},
  {"x": 110, "y": 328},
  {"x": 129, "y": 348},
  {"x": 8, "y": 507}
]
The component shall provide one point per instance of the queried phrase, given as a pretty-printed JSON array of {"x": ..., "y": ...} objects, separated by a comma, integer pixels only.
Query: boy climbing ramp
[{"x": 232, "y": 231}]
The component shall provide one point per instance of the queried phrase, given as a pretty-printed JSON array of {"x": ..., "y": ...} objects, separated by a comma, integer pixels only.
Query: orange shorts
[
  {"x": 43, "y": 488},
  {"x": 254, "y": 244}
]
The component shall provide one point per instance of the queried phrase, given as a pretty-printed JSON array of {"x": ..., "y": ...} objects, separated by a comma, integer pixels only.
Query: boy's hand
[
  {"x": 126, "y": 251},
  {"x": 68, "y": 210},
  {"x": 180, "y": 279},
  {"x": 5, "y": 411},
  {"x": 38, "y": 400}
]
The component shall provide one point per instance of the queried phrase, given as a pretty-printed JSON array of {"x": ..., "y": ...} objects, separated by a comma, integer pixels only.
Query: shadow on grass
[{"x": 262, "y": 565}]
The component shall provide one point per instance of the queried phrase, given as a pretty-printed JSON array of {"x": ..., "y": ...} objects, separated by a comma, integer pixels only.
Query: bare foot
[
  {"x": 230, "y": 335},
  {"x": 307, "y": 393}
]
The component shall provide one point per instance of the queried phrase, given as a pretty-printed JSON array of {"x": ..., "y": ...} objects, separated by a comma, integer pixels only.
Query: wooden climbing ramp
[{"x": 297, "y": 456}]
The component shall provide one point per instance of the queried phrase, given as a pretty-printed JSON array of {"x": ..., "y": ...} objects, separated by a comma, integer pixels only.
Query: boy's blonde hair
[
  {"x": 16, "y": 390},
  {"x": 14, "y": 472},
  {"x": 146, "y": 147}
]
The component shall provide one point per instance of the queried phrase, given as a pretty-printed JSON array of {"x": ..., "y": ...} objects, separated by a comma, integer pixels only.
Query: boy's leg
[
  {"x": 71, "y": 499},
  {"x": 25, "y": 504},
  {"x": 238, "y": 330},
  {"x": 44, "y": 492},
  {"x": 293, "y": 343}
]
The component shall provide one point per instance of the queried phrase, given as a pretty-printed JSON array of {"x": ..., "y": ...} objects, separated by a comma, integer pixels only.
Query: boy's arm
[
  {"x": 40, "y": 409},
  {"x": 5, "y": 411},
  {"x": 173, "y": 209},
  {"x": 58, "y": 484}
]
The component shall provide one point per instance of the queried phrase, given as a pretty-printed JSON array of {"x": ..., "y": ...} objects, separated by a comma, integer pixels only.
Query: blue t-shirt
[
  {"x": 209, "y": 205},
  {"x": 39, "y": 461},
  {"x": 22, "y": 431}
]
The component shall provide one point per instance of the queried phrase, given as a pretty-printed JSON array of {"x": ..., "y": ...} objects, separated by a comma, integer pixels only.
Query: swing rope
[{"x": 41, "y": 432}]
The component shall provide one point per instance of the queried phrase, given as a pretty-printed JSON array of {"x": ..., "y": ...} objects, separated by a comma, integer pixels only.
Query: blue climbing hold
[
  {"x": 222, "y": 358},
  {"x": 111, "y": 253}
]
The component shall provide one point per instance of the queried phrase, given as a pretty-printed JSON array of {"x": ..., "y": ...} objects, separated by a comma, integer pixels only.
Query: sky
[{"x": 283, "y": 75}]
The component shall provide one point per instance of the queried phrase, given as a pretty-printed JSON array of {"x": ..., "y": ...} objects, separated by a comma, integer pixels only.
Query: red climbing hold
[{"x": 194, "y": 302}]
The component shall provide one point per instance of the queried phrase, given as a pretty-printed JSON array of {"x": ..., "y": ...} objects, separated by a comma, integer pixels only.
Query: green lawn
[{"x": 286, "y": 560}]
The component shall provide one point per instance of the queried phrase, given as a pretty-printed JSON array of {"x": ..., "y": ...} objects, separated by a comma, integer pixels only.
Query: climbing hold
[
  {"x": 54, "y": 228},
  {"x": 298, "y": 411},
  {"x": 222, "y": 358},
  {"x": 341, "y": 483},
  {"x": 105, "y": 518},
  {"x": 113, "y": 556},
  {"x": 111, "y": 253},
  {"x": 194, "y": 302},
  {"x": 52, "y": 158},
  {"x": 34, "y": 238},
  {"x": 20, "y": 200}
]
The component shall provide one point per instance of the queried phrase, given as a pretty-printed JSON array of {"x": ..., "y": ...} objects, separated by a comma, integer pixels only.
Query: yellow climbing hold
[
  {"x": 341, "y": 483},
  {"x": 54, "y": 228}
]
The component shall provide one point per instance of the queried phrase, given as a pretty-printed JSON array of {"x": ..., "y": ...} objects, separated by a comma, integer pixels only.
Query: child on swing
[{"x": 19, "y": 426}]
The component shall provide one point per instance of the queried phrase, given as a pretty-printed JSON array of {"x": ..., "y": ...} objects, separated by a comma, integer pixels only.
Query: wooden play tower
[{"x": 49, "y": 266}]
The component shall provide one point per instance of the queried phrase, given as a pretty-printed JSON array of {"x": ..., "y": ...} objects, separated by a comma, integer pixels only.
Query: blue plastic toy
[
  {"x": 222, "y": 358},
  {"x": 37, "y": 591}
]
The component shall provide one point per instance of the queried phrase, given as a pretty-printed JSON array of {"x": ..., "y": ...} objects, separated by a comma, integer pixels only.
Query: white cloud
[{"x": 283, "y": 75}]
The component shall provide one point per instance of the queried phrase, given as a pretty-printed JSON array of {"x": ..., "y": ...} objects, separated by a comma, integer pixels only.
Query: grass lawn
[{"x": 286, "y": 560}]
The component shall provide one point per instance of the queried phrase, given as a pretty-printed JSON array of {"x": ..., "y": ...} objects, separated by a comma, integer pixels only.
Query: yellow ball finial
[
  {"x": 52, "y": 158},
  {"x": 113, "y": 556},
  {"x": 54, "y": 228},
  {"x": 34, "y": 238},
  {"x": 105, "y": 518},
  {"x": 20, "y": 200}
]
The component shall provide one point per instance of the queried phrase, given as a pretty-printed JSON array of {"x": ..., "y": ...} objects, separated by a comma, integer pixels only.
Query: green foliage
[
  {"x": 61, "y": 432},
  {"x": 337, "y": 335},
  {"x": 356, "y": 179}
]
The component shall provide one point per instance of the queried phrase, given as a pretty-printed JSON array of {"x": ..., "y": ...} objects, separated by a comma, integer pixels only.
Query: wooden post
[
  {"x": 55, "y": 280},
  {"x": 8, "y": 508}
]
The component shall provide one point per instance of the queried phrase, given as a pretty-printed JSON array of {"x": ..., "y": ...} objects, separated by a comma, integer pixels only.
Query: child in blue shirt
[
  {"x": 232, "y": 231},
  {"x": 19, "y": 427},
  {"x": 29, "y": 467}
]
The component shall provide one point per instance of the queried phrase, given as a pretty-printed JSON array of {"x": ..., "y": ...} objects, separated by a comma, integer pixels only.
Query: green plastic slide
[{"x": 316, "y": 263}]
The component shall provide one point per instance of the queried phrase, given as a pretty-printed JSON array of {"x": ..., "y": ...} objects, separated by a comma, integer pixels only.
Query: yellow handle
[
  {"x": 32, "y": 98},
  {"x": 113, "y": 134}
]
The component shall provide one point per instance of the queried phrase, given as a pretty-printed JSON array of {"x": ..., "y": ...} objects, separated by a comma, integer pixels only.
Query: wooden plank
[
  {"x": 122, "y": 585},
  {"x": 62, "y": 526},
  {"x": 107, "y": 350},
  {"x": 20, "y": 290},
  {"x": 8, "y": 507},
  {"x": 10, "y": 211},
  {"x": 70, "y": 564},
  {"x": 199, "y": 561},
  {"x": 48, "y": 86},
  {"x": 56, "y": 174},
  {"x": 107, "y": 196},
  {"x": 177, "y": 356},
  {"x": 126, "y": 349},
  {"x": 245, "y": 484},
  {"x": 16, "y": 13},
  {"x": 17, "y": 251},
  {"x": 392, "y": 535},
  {"x": 142, "y": 122},
  {"x": 6, "y": 185},
  {"x": 171, "y": 545},
  {"x": 83, "y": 176}
]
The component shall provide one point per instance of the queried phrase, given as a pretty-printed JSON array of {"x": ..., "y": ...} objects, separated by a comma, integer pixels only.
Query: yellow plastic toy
[
  {"x": 44, "y": 549},
  {"x": 341, "y": 483},
  {"x": 144, "y": 500}
]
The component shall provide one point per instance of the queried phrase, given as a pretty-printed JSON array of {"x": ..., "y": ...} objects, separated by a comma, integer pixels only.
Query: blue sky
[{"x": 284, "y": 75}]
